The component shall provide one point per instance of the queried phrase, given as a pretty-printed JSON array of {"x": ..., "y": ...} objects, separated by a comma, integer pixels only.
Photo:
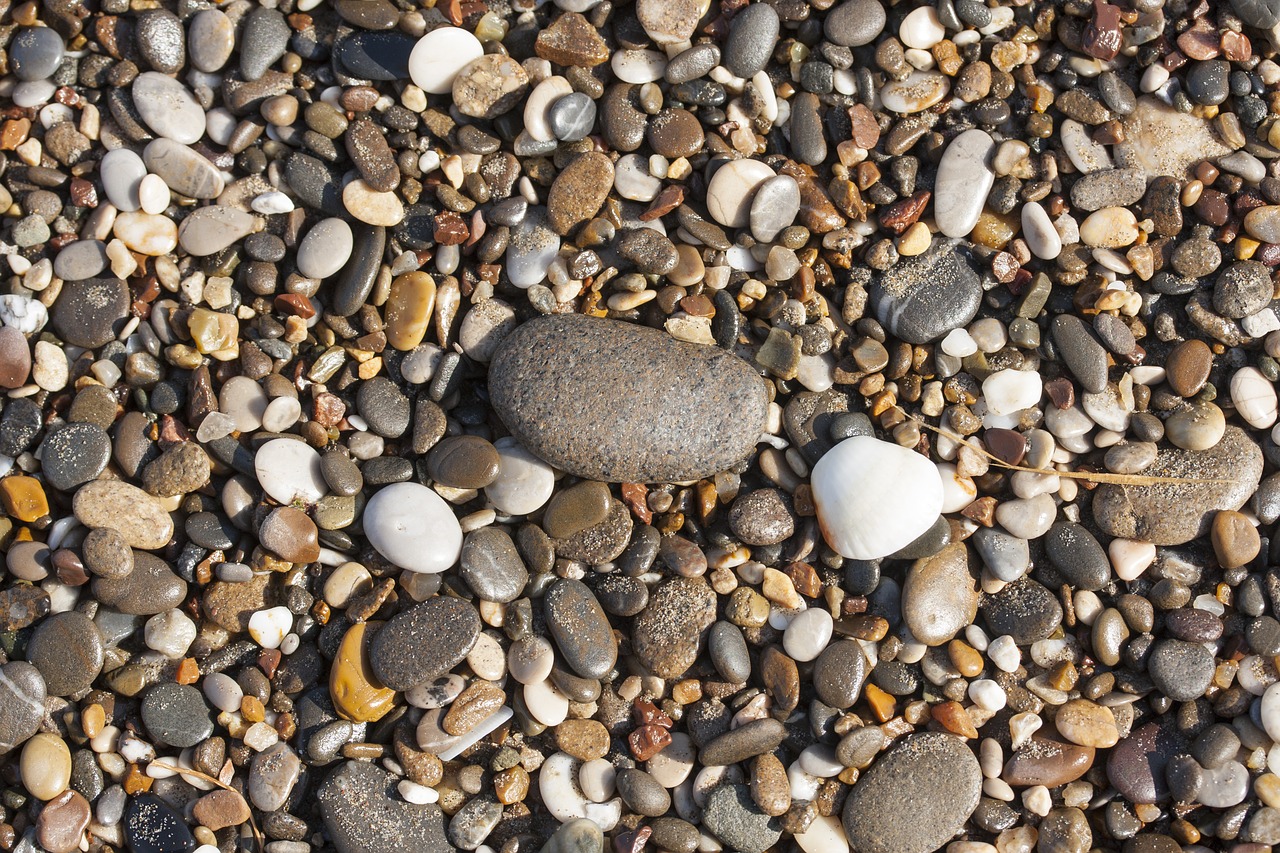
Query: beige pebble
[
  {"x": 370, "y": 206},
  {"x": 1109, "y": 228},
  {"x": 45, "y": 766},
  {"x": 145, "y": 233}
]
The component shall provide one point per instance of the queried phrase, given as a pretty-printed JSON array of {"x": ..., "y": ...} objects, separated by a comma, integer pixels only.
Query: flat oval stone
[
  {"x": 182, "y": 169},
  {"x": 492, "y": 567},
  {"x": 91, "y": 312},
  {"x": 122, "y": 171},
  {"x": 580, "y": 628},
  {"x": 669, "y": 633},
  {"x": 1174, "y": 513},
  {"x": 533, "y": 245},
  {"x": 919, "y": 91},
  {"x": 1136, "y": 766},
  {"x": 915, "y": 797},
  {"x": 117, "y": 505},
  {"x": 152, "y": 826},
  {"x": 264, "y": 39},
  {"x": 67, "y": 649},
  {"x": 440, "y": 55},
  {"x": 1048, "y": 762},
  {"x": 176, "y": 714},
  {"x": 363, "y": 814},
  {"x": 168, "y": 107},
  {"x": 75, "y": 454},
  {"x": 923, "y": 298},
  {"x": 752, "y": 35},
  {"x": 413, "y": 527},
  {"x": 35, "y": 53},
  {"x": 940, "y": 595},
  {"x": 839, "y": 673},
  {"x": 424, "y": 642},
  {"x": 774, "y": 207},
  {"x": 22, "y": 695},
  {"x": 211, "y": 38},
  {"x": 964, "y": 180},
  {"x": 150, "y": 588},
  {"x": 611, "y": 401},
  {"x": 361, "y": 271},
  {"x": 81, "y": 259}
]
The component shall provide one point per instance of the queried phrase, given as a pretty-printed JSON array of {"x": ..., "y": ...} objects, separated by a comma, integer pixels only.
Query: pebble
[
  {"x": 580, "y": 628},
  {"x": 668, "y": 634},
  {"x": 964, "y": 175},
  {"x": 168, "y": 107},
  {"x": 325, "y": 249},
  {"x": 1254, "y": 397},
  {"x": 646, "y": 443},
  {"x": 733, "y": 817},
  {"x": 752, "y": 35},
  {"x": 362, "y": 816},
  {"x": 136, "y": 515},
  {"x": 1136, "y": 766},
  {"x": 915, "y": 797},
  {"x": 939, "y": 595},
  {"x": 175, "y": 714},
  {"x": 440, "y": 56},
  {"x": 854, "y": 23},
  {"x": 22, "y": 697},
  {"x": 898, "y": 497},
  {"x": 35, "y": 53},
  {"x": 923, "y": 298},
  {"x": 424, "y": 642}
]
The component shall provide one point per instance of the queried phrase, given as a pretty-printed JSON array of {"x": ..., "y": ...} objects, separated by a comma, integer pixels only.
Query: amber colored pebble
[
  {"x": 1235, "y": 539},
  {"x": 882, "y": 704},
  {"x": 965, "y": 658},
  {"x": 92, "y": 719},
  {"x": 954, "y": 718},
  {"x": 251, "y": 709},
  {"x": 408, "y": 311},
  {"x": 135, "y": 781},
  {"x": 23, "y": 498},
  {"x": 357, "y": 693},
  {"x": 511, "y": 785},
  {"x": 188, "y": 672}
]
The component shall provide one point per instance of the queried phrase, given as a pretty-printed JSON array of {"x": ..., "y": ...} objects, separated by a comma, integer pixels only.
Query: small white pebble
[
  {"x": 268, "y": 627},
  {"x": 959, "y": 344},
  {"x": 261, "y": 736},
  {"x": 153, "y": 192},
  {"x": 419, "y": 795},
  {"x": 987, "y": 694}
]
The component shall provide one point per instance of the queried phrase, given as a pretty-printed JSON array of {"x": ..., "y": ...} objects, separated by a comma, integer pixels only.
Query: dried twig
[
  {"x": 1090, "y": 476},
  {"x": 182, "y": 771}
]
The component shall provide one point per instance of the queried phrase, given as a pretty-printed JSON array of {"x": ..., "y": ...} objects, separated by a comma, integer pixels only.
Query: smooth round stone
[
  {"x": 1009, "y": 391},
  {"x": 668, "y": 634},
  {"x": 642, "y": 793},
  {"x": 81, "y": 259},
  {"x": 75, "y": 454},
  {"x": 384, "y": 407},
  {"x": 1048, "y": 762},
  {"x": 122, "y": 171},
  {"x": 15, "y": 358},
  {"x": 159, "y": 35},
  {"x": 732, "y": 816},
  {"x": 208, "y": 230},
  {"x": 1136, "y": 766},
  {"x": 1076, "y": 554},
  {"x": 607, "y": 400},
  {"x": 62, "y": 822},
  {"x": 1087, "y": 724},
  {"x": 752, "y": 35},
  {"x": 362, "y": 815},
  {"x": 1006, "y": 557},
  {"x": 874, "y": 498},
  {"x": 839, "y": 673},
  {"x": 413, "y": 527},
  {"x": 774, "y": 207},
  {"x": 964, "y": 179},
  {"x": 440, "y": 55},
  {"x": 168, "y": 107},
  {"x": 919, "y": 91},
  {"x": 1199, "y": 426},
  {"x": 808, "y": 634},
  {"x": 940, "y": 595},
  {"x": 580, "y": 628},
  {"x": 1254, "y": 397},
  {"x": 538, "y": 104},
  {"x": 91, "y": 312},
  {"x": 492, "y": 567},
  {"x": 923, "y": 298},
  {"x": 534, "y": 244},
  {"x": 576, "y": 509},
  {"x": 1242, "y": 289},
  {"x": 464, "y": 462},
  {"x": 290, "y": 534},
  {"x": 762, "y": 517},
  {"x": 35, "y": 53},
  {"x": 372, "y": 206},
  {"x": 572, "y": 117},
  {"x": 211, "y": 38},
  {"x": 732, "y": 190},
  {"x": 484, "y": 327},
  {"x": 244, "y": 401},
  {"x": 326, "y": 248},
  {"x": 67, "y": 648},
  {"x": 114, "y": 504},
  {"x": 524, "y": 482},
  {"x": 1235, "y": 540},
  {"x": 855, "y": 23},
  {"x": 150, "y": 588},
  {"x": 22, "y": 695},
  {"x": 915, "y": 797},
  {"x": 45, "y": 766},
  {"x": 424, "y": 642},
  {"x": 289, "y": 470},
  {"x": 176, "y": 714}
]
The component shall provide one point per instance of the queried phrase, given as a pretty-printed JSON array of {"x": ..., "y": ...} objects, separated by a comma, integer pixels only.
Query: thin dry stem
[
  {"x": 182, "y": 771},
  {"x": 1090, "y": 476}
]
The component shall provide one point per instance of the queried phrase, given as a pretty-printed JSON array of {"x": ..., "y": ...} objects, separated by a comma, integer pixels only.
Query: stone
[
  {"x": 150, "y": 588},
  {"x": 153, "y": 826},
  {"x": 733, "y": 817},
  {"x": 440, "y": 55},
  {"x": 211, "y": 38},
  {"x": 424, "y": 642},
  {"x": 874, "y": 498},
  {"x": 652, "y": 386},
  {"x": 325, "y": 249},
  {"x": 580, "y": 628},
  {"x": 168, "y": 107},
  {"x": 176, "y": 714},
  {"x": 1048, "y": 762},
  {"x": 136, "y": 515},
  {"x": 67, "y": 649},
  {"x": 22, "y": 695},
  {"x": 578, "y": 192},
  {"x": 914, "y": 797},
  {"x": 35, "y": 53},
  {"x": 669, "y": 632},
  {"x": 1087, "y": 724},
  {"x": 762, "y": 517},
  {"x": 752, "y": 35},
  {"x": 489, "y": 86},
  {"x": 75, "y": 454},
  {"x": 854, "y": 23},
  {"x": 731, "y": 192},
  {"x": 492, "y": 567},
  {"x": 264, "y": 40},
  {"x": 180, "y": 470},
  {"x": 964, "y": 180},
  {"x": 1174, "y": 513},
  {"x": 362, "y": 814},
  {"x": 1136, "y": 765},
  {"x": 940, "y": 596},
  {"x": 923, "y": 298},
  {"x": 91, "y": 312},
  {"x": 413, "y": 527},
  {"x": 357, "y": 693}
]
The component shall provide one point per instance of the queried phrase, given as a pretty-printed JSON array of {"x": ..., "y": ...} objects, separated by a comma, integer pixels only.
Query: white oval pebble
[
  {"x": 413, "y": 527},
  {"x": 808, "y": 634},
  {"x": 289, "y": 470},
  {"x": 439, "y": 56},
  {"x": 546, "y": 703},
  {"x": 524, "y": 481},
  {"x": 1254, "y": 397},
  {"x": 1008, "y": 391}
]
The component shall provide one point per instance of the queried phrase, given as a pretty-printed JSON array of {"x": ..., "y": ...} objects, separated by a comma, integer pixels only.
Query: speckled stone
[
  {"x": 424, "y": 642},
  {"x": 923, "y": 298},
  {"x": 612, "y": 401},
  {"x": 363, "y": 814}
]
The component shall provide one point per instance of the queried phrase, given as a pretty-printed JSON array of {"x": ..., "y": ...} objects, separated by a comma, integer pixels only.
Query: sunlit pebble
[
  {"x": 959, "y": 344},
  {"x": 419, "y": 795},
  {"x": 269, "y": 627}
]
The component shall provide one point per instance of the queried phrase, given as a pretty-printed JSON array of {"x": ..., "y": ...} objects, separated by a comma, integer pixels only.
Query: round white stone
[
  {"x": 546, "y": 703},
  {"x": 413, "y": 527},
  {"x": 440, "y": 55},
  {"x": 874, "y": 498},
  {"x": 731, "y": 189},
  {"x": 289, "y": 470},
  {"x": 1037, "y": 229},
  {"x": 1254, "y": 397},
  {"x": 268, "y": 627},
  {"x": 223, "y": 692},
  {"x": 524, "y": 481},
  {"x": 326, "y": 248},
  {"x": 921, "y": 28},
  {"x": 1008, "y": 391},
  {"x": 170, "y": 633},
  {"x": 808, "y": 634},
  {"x": 964, "y": 179}
]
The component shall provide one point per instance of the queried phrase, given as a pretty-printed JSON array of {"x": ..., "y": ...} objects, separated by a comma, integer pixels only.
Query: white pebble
[
  {"x": 170, "y": 633},
  {"x": 223, "y": 692},
  {"x": 959, "y": 344},
  {"x": 987, "y": 694},
  {"x": 419, "y": 795},
  {"x": 1004, "y": 653},
  {"x": 1008, "y": 391},
  {"x": 268, "y": 627},
  {"x": 808, "y": 634}
]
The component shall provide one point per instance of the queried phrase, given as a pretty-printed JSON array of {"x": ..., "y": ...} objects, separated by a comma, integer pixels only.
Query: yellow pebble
[
  {"x": 915, "y": 240},
  {"x": 357, "y": 693},
  {"x": 1245, "y": 248},
  {"x": 24, "y": 498}
]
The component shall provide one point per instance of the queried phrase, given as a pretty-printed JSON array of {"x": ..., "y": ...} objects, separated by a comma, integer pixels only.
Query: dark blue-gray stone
[
  {"x": 923, "y": 298},
  {"x": 363, "y": 814},
  {"x": 35, "y": 53},
  {"x": 381, "y": 56}
]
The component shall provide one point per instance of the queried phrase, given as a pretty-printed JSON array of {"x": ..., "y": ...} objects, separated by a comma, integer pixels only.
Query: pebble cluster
[{"x": 673, "y": 425}]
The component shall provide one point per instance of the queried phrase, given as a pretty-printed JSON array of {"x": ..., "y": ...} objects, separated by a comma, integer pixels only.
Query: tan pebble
[
  {"x": 915, "y": 240},
  {"x": 1235, "y": 539},
  {"x": 769, "y": 786},
  {"x": 370, "y": 206},
  {"x": 145, "y": 233},
  {"x": 408, "y": 311},
  {"x": 1109, "y": 228},
  {"x": 45, "y": 766},
  {"x": 1087, "y": 724}
]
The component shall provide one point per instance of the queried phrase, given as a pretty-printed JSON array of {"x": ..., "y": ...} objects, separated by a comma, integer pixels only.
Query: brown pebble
[
  {"x": 1187, "y": 367},
  {"x": 220, "y": 809},
  {"x": 1235, "y": 539},
  {"x": 291, "y": 534}
]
